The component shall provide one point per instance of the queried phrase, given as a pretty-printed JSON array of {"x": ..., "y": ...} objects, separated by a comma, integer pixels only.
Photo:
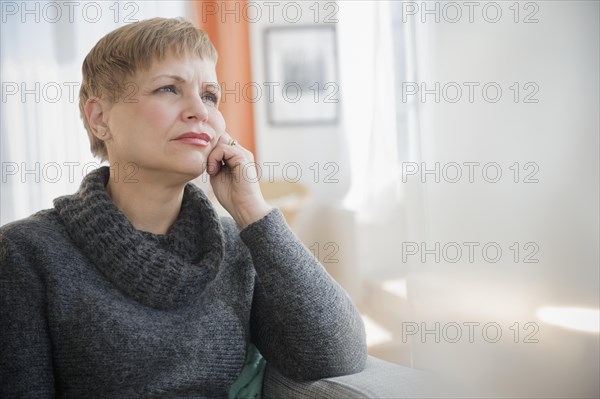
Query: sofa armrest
[{"x": 380, "y": 379}]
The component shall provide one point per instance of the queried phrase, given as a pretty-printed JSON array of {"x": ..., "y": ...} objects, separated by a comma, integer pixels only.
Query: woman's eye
[
  {"x": 210, "y": 98},
  {"x": 168, "y": 89}
]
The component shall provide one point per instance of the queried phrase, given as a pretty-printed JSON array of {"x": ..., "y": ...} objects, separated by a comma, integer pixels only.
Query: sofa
[{"x": 380, "y": 379}]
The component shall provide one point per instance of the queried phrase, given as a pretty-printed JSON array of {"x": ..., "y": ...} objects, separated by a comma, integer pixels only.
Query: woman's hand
[{"x": 234, "y": 180}]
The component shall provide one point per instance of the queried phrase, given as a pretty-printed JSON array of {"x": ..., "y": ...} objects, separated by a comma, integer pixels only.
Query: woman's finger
[{"x": 224, "y": 154}]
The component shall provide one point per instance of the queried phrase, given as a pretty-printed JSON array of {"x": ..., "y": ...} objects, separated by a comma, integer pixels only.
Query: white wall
[
  {"x": 302, "y": 144},
  {"x": 324, "y": 223}
]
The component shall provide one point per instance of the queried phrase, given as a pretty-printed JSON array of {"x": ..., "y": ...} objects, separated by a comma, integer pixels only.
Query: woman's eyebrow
[
  {"x": 214, "y": 86},
  {"x": 174, "y": 77}
]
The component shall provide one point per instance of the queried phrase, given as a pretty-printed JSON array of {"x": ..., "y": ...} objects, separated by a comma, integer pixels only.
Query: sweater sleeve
[
  {"x": 302, "y": 320},
  {"x": 25, "y": 348}
]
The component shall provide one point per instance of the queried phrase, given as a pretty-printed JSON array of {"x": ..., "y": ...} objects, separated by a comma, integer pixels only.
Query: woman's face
[{"x": 167, "y": 119}]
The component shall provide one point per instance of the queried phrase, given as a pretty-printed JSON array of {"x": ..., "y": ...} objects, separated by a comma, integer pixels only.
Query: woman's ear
[{"x": 96, "y": 111}]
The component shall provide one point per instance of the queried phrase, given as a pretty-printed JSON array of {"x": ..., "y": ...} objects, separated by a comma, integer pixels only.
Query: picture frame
[{"x": 301, "y": 72}]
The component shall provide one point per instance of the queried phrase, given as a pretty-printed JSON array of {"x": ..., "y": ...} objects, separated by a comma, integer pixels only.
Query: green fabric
[{"x": 249, "y": 383}]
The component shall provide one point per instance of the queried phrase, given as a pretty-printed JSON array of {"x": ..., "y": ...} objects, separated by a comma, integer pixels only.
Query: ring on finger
[{"x": 233, "y": 142}]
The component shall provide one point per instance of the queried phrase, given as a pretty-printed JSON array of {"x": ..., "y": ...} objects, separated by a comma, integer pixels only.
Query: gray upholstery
[{"x": 380, "y": 379}]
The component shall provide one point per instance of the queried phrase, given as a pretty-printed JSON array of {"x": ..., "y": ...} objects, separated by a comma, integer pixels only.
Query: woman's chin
[
  {"x": 192, "y": 166},
  {"x": 181, "y": 168},
  {"x": 189, "y": 173}
]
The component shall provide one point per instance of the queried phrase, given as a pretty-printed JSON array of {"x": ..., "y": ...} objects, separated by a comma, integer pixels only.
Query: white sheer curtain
[
  {"x": 382, "y": 130},
  {"x": 368, "y": 105},
  {"x": 44, "y": 148},
  {"x": 371, "y": 106}
]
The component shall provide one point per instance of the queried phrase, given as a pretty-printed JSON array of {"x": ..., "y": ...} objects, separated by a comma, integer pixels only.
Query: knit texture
[
  {"x": 161, "y": 271},
  {"x": 91, "y": 307}
]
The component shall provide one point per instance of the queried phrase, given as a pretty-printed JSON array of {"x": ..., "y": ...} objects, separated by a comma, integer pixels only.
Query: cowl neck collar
[{"x": 161, "y": 271}]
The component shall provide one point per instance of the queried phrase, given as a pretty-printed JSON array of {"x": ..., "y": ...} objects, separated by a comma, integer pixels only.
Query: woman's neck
[{"x": 148, "y": 203}]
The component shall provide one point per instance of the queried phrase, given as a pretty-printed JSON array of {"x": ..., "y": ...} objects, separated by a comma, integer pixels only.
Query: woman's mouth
[{"x": 198, "y": 139}]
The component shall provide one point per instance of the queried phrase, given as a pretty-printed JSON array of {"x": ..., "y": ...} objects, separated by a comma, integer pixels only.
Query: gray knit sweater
[{"x": 90, "y": 307}]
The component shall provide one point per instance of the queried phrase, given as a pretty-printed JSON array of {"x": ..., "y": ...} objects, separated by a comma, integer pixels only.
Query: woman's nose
[{"x": 196, "y": 109}]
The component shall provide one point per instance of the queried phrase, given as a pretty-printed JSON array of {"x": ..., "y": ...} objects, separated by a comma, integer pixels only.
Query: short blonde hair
[{"x": 123, "y": 52}]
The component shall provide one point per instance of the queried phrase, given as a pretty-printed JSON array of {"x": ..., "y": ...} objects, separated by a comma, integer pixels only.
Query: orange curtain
[{"x": 229, "y": 32}]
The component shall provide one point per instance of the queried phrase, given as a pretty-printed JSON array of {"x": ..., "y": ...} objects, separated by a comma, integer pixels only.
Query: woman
[{"x": 133, "y": 287}]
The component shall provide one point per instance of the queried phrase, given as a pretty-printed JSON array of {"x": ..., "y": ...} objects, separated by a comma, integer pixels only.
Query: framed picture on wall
[{"x": 301, "y": 72}]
